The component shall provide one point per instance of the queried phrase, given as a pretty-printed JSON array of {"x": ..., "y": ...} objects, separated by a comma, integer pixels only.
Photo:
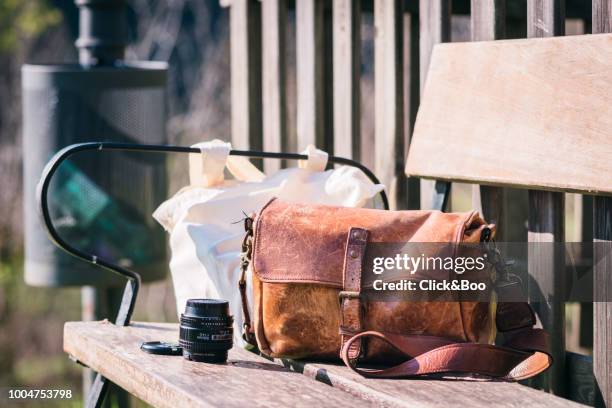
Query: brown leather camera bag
[{"x": 307, "y": 261}]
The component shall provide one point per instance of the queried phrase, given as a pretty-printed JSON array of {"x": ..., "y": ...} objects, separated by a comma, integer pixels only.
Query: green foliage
[
  {"x": 8, "y": 282},
  {"x": 6, "y": 275},
  {"x": 24, "y": 19}
]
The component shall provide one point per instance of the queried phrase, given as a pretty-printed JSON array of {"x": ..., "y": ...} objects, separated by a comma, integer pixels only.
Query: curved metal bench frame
[{"x": 130, "y": 293}]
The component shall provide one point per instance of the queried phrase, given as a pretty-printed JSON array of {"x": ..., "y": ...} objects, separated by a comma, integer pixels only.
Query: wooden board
[
  {"x": 488, "y": 22},
  {"x": 245, "y": 55},
  {"x": 602, "y": 16},
  {"x": 546, "y": 287},
  {"x": 533, "y": 113},
  {"x": 602, "y": 311},
  {"x": 388, "y": 100},
  {"x": 274, "y": 85},
  {"x": 429, "y": 393},
  {"x": 347, "y": 73},
  {"x": 602, "y": 232},
  {"x": 310, "y": 74},
  {"x": 434, "y": 27},
  {"x": 546, "y": 18},
  {"x": 172, "y": 381}
]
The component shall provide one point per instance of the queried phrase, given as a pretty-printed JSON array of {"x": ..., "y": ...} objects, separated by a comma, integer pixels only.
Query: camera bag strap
[
  {"x": 245, "y": 259},
  {"x": 522, "y": 357},
  {"x": 525, "y": 353}
]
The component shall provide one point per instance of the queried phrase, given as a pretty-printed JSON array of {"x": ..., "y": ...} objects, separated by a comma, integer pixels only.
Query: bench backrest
[
  {"x": 530, "y": 113},
  {"x": 533, "y": 114}
]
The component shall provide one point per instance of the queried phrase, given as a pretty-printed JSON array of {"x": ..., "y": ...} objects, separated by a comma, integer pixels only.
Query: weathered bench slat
[
  {"x": 546, "y": 102},
  {"x": 546, "y": 265},
  {"x": 347, "y": 70},
  {"x": 435, "y": 27},
  {"x": 546, "y": 18},
  {"x": 429, "y": 393},
  {"x": 602, "y": 16},
  {"x": 274, "y": 98},
  {"x": 312, "y": 101},
  {"x": 602, "y": 231},
  {"x": 602, "y": 311},
  {"x": 388, "y": 99},
  {"x": 488, "y": 19},
  {"x": 163, "y": 381},
  {"x": 245, "y": 54},
  {"x": 435, "y": 18},
  {"x": 488, "y": 23}
]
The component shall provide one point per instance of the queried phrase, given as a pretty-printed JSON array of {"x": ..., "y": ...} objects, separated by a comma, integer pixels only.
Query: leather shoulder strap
[
  {"x": 245, "y": 259},
  {"x": 524, "y": 356}
]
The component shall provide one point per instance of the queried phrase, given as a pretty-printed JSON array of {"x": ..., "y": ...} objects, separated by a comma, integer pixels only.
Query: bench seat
[{"x": 164, "y": 381}]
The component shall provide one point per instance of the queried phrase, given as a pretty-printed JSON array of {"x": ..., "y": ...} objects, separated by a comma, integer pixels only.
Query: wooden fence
[{"x": 328, "y": 69}]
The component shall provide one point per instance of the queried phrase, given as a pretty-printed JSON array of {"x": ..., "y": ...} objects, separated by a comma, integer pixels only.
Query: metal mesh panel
[{"x": 69, "y": 104}]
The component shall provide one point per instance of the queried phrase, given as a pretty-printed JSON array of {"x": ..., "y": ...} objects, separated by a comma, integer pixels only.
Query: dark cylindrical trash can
[{"x": 65, "y": 104}]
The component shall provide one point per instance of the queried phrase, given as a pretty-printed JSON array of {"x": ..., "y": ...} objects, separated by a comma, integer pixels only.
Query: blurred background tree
[{"x": 23, "y": 20}]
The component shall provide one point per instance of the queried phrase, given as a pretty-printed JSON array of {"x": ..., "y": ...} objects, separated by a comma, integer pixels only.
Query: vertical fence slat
[
  {"x": 546, "y": 18},
  {"x": 602, "y": 280},
  {"x": 602, "y": 311},
  {"x": 602, "y": 16},
  {"x": 435, "y": 27},
  {"x": 245, "y": 55},
  {"x": 411, "y": 97},
  {"x": 347, "y": 68},
  {"x": 273, "y": 18},
  {"x": 488, "y": 23},
  {"x": 547, "y": 275},
  {"x": 310, "y": 76},
  {"x": 388, "y": 99},
  {"x": 488, "y": 19}
]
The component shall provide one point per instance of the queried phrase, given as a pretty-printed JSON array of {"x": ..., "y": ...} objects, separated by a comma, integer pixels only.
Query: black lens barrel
[{"x": 206, "y": 330}]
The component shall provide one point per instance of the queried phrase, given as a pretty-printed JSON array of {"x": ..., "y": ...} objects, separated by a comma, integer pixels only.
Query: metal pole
[{"x": 102, "y": 31}]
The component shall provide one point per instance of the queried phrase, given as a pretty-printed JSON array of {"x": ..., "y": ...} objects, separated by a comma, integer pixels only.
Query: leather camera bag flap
[{"x": 307, "y": 262}]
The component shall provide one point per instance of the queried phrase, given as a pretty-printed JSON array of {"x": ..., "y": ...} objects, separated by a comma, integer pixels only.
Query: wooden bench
[
  {"x": 248, "y": 379},
  {"x": 537, "y": 115},
  {"x": 329, "y": 115}
]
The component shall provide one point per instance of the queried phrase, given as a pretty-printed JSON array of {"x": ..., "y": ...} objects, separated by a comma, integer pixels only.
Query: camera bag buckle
[{"x": 348, "y": 294}]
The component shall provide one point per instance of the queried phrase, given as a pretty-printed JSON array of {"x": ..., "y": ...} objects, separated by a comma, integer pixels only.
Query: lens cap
[
  {"x": 162, "y": 348},
  {"x": 207, "y": 308}
]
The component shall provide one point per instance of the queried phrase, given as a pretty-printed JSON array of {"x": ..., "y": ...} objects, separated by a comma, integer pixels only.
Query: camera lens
[{"x": 206, "y": 330}]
